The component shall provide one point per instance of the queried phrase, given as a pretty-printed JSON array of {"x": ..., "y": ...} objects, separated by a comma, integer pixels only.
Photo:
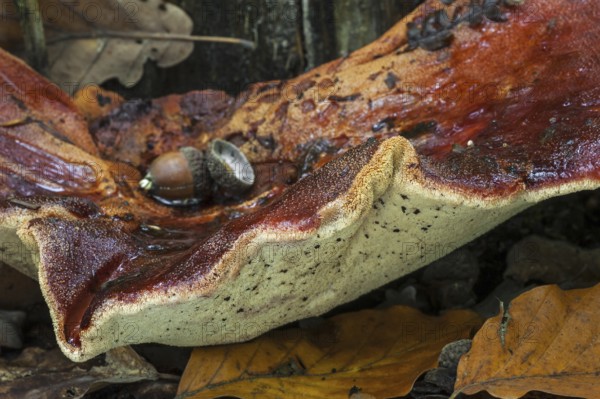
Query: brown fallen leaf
[
  {"x": 382, "y": 352},
  {"x": 546, "y": 341},
  {"x": 41, "y": 374},
  {"x": 76, "y": 60}
]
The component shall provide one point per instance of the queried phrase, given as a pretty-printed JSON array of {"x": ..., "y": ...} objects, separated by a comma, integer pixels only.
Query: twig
[
  {"x": 152, "y": 36},
  {"x": 23, "y": 203},
  {"x": 32, "y": 24}
]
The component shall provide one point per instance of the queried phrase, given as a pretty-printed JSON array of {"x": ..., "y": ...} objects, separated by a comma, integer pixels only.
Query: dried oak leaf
[
  {"x": 547, "y": 341},
  {"x": 381, "y": 351},
  {"x": 367, "y": 168},
  {"x": 47, "y": 374},
  {"x": 76, "y": 59}
]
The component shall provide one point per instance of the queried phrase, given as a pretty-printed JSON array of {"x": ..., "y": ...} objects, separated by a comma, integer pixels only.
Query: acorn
[
  {"x": 178, "y": 177},
  {"x": 188, "y": 176},
  {"x": 229, "y": 167}
]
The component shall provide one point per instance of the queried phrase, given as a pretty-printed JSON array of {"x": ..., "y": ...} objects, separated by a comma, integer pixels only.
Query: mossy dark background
[{"x": 292, "y": 36}]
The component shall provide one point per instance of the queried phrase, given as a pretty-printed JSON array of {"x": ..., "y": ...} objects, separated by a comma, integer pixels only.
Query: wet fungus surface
[{"x": 463, "y": 113}]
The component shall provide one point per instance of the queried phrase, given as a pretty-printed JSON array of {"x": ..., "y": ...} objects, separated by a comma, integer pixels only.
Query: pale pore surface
[{"x": 391, "y": 222}]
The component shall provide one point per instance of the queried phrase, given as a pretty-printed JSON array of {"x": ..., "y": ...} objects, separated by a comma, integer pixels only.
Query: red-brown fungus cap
[{"x": 361, "y": 176}]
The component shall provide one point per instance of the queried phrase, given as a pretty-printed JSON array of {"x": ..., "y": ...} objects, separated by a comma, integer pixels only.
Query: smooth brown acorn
[{"x": 178, "y": 177}]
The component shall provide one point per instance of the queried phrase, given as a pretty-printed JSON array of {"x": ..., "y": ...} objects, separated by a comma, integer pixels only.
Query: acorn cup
[{"x": 229, "y": 167}]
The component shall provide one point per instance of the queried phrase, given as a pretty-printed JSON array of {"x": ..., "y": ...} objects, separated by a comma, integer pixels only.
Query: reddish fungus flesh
[
  {"x": 502, "y": 106},
  {"x": 123, "y": 266}
]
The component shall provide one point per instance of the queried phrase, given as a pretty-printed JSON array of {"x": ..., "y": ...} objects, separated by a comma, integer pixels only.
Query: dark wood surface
[{"x": 291, "y": 35}]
